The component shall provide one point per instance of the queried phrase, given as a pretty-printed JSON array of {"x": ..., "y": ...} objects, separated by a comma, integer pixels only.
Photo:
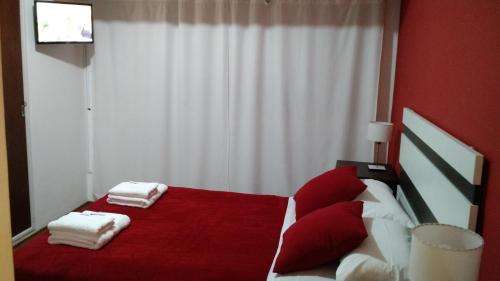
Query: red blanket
[{"x": 188, "y": 234}]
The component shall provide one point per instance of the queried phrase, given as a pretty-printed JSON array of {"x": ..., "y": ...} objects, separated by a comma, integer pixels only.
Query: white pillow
[
  {"x": 377, "y": 210},
  {"x": 381, "y": 203},
  {"x": 383, "y": 256},
  {"x": 376, "y": 191}
]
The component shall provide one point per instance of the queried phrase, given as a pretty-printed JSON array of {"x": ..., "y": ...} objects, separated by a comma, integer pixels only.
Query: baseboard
[{"x": 22, "y": 236}]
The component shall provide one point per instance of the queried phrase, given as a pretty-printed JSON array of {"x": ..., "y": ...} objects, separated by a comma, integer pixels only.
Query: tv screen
[{"x": 59, "y": 22}]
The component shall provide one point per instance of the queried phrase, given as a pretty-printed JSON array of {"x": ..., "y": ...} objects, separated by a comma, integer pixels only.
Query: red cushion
[
  {"x": 334, "y": 186},
  {"x": 322, "y": 236}
]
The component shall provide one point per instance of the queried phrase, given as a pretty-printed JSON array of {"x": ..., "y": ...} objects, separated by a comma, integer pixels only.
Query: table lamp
[
  {"x": 444, "y": 252},
  {"x": 378, "y": 132}
]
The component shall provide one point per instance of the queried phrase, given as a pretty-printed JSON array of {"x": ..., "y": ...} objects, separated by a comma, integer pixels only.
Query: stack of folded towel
[
  {"x": 88, "y": 229},
  {"x": 136, "y": 194}
]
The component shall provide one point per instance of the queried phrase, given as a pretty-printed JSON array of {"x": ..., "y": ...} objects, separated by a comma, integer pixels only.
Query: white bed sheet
[{"x": 322, "y": 273}]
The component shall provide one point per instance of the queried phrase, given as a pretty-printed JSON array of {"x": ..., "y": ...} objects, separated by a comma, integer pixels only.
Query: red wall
[{"x": 448, "y": 70}]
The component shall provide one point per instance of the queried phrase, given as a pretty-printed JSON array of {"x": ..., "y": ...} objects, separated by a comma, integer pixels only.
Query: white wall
[
  {"x": 388, "y": 68},
  {"x": 54, "y": 77}
]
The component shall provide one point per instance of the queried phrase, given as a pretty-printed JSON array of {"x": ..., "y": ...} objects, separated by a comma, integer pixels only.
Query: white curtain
[
  {"x": 303, "y": 85},
  {"x": 160, "y": 93},
  {"x": 236, "y": 95}
]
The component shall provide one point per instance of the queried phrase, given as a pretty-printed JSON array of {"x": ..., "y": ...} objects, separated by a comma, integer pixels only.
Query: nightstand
[{"x": 388, "y": 176}]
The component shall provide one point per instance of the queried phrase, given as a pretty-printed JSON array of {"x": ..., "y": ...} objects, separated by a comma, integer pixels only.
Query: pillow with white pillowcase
[
  {"x": 379, "y": 202},
  {"x": 376, "y": 191},
  {"x": 377, "y": 210},
  {"x": 383, "y": 256}
]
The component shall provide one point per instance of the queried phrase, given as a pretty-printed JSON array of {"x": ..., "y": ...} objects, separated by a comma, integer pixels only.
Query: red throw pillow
[
  {"x": 334, "y": 186},
  {"x": 322, "y": 236}
]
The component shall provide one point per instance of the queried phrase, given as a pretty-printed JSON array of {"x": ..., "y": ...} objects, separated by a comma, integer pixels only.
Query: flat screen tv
[{"x": 61, "y": 22}]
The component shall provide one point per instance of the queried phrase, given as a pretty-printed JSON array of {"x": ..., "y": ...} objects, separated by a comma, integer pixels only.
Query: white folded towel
[
  {"x": 80, "y": 240},
  {"x": 54, "y": 239},
  {"x": 90, "y": 241},
  {"x": 121, "y": 221},
  {"x": 144, "y": 190},
  {"x": 80, "y": 237},
  {"x": 82, "y": 223},
  {"x": 136, "y": 202}
]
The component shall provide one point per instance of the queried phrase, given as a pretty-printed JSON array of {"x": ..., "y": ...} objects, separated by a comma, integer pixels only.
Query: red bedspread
[{"x": 189, "y": 234}]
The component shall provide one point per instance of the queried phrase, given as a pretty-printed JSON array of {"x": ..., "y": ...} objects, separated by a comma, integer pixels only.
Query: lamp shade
[
  {"x": 379, "y": 131},
  {"x": 444, "y": 252}
]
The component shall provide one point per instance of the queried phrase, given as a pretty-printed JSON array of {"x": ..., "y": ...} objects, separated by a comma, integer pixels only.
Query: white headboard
[{"x": 440, "y": 175}]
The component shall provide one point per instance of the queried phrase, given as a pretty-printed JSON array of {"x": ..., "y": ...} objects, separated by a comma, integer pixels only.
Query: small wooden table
[{"x": 388, "y": 176}]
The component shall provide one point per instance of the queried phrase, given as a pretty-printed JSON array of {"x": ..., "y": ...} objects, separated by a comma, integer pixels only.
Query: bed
[
  {"x": 193, "y": 234},
  {"x": 188, "y": 234}
]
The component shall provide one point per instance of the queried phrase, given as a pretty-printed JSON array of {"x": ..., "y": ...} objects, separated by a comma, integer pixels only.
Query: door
[
  {"x": 14, "y": 116},
  {"x": 6, "y": 264}
]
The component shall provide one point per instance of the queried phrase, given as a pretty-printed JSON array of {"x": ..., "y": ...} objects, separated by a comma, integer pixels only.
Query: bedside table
[{"x": 388, "y": 176}]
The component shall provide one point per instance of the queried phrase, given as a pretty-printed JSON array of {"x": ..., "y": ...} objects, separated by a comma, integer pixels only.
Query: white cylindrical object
[
  {"x": 444, "y": 252},
  {"x": 379, "y": 131}
]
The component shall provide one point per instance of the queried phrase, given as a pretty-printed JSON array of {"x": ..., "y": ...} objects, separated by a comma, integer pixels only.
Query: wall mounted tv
[{"x": 62, "y": 22}]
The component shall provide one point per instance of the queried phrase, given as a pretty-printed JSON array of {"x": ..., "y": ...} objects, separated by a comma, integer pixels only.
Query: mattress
[{"x": 189, "y": 234}]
